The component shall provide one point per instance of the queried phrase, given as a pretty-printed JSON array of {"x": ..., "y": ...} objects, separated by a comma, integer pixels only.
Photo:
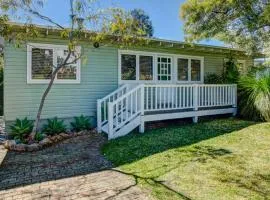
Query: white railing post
[
  {"x": 141, "y": 128},
  {"x": 195, "y": 101},
  {"x": 235, "y": 96},
  {"x": 110, "y": 120},
  {"x": 235, "y": 100},
  {"x": 99, "y": 113}
]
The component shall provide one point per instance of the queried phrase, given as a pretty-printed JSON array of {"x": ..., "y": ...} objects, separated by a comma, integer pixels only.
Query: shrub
[
  {"x": 39, "y": 136},
  {"x": 254, "y": 97},
  {"x": 212, "y": 78},
  {"x": 81, "y": 123},
  {"x": 54, "y": 126},
  {"x": 21, "y": 129},
  {"x": 231, "y": 73}
]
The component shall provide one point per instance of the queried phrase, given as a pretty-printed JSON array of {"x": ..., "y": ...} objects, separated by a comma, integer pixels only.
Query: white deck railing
[
  {"x": 176, "y": 97},
  {"x": 217, "y": 95},
  {"x": 119, "y": 108}
]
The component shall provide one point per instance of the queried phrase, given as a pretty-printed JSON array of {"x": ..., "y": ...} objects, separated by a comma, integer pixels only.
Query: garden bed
[{"x": 48, "y": 141}]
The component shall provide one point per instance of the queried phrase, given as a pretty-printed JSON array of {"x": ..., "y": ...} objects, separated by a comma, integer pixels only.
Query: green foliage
[
  {"x": 243, "y": 24},
  {"x": 212, "y": 78},
  {"x": 39, "y": 136},
  {"x": 54, "y": 126},
  {"x": 81, "y": 123},
  {"x": 231, "y": 73},
  {"x": 21, "y": 129},
  {"x": 125, "y": 25},
  {"x": 1, "y": 84},
  {"x": 143, "y": 21},
  {"x": 254, "y": 97}
]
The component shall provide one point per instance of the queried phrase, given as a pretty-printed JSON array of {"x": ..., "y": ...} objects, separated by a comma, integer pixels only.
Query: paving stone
[{"x": 69, "y": 170}]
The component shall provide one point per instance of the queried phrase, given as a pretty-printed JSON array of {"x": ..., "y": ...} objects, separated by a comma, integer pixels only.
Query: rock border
[{"x": 48, "y": 141}]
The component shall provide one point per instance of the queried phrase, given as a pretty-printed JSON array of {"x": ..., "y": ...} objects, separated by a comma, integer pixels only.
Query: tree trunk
[{"x": 45, "y": 94}]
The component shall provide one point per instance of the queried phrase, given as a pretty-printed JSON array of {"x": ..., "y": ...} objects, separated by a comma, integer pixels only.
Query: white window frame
[
  {"x": 174, "y": 68},
  {"x": 137, "y": 54},
  {"x": 30, "y": 80},
  {"x": 189, "y": 58}
]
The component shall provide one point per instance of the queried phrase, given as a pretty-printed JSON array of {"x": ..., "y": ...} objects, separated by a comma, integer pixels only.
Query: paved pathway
[{"x": 74, "y": 169}]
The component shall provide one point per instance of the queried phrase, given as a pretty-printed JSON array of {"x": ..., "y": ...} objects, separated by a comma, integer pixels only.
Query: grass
[{"x": 221, "y": 159}]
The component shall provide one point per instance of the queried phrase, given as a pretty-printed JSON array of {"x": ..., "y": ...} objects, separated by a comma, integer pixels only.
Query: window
[
  {"x": 195, "y": 70},
  {"x": 128, "y": 67},
  {"x": 136, "y": 67},
  {"x": 41, "y": 59},
  {"x": 70, "y": 71},
  {"x": 182, "y": 65},
  {"x": 164, "y": 65},
  {"x": 146, "y": 67},
  {"x": 189, "y": 69},
  {"x": 42, "y": 63}
]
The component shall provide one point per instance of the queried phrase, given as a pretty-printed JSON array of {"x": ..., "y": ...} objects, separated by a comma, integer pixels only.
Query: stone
[
  {"x": 9, "y": 144},
  {"x": 45, "y": 142},
  {"x": 64, "y": 135},
  {"x": 59, "y": 138},
  {"x": 79, "y": 133},
  {"x": 53, "y": 138},
  {"x": 94, "y": 131},
  {"x": 20, "y": 147},
  {"x": 33, "y": 147}
]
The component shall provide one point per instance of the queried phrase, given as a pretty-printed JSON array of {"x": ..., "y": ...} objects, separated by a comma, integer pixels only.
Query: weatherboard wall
[{"x": 99, "y": 77}]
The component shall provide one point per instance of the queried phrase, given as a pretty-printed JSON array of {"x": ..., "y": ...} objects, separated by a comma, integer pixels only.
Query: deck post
[
  {"x": 235, "y": 100},
  {"x": 195, "y": 101},
  {"x": 99, "y": 113},
  {"x": 110, "y": 120},
  {"x": 141, "y": 128}
]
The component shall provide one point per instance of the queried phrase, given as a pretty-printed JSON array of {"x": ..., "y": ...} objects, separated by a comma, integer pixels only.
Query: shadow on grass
[
  {"x": 137, "y": 146},
  {"x": 80, "y": 156}
]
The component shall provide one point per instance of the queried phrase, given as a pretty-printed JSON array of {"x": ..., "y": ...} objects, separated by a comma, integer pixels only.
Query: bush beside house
[
  {"x": 253, "y": 89},
  {"x": 52, "y": 132}
]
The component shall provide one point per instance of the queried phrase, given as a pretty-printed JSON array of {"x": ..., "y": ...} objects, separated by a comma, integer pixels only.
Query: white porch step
[{"x": 128, "y": 127}]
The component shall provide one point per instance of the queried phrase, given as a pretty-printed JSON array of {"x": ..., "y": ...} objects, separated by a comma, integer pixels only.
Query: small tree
[{"x": 83, "y": 14}]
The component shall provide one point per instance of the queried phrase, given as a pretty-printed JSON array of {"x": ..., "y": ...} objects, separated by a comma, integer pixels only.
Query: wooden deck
[{"x": 125, "y": 109}]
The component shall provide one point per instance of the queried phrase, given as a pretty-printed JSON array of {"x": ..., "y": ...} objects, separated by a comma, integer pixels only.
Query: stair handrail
[
  {"x": 108, "y": 98},
  {"x": 113, "y": 109},
  {"x": 121, "y": 88},
  {"x": 126, "y": 94}
]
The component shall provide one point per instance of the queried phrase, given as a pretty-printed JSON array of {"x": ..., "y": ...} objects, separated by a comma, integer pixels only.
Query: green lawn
[{"x": 221, "y": 159}]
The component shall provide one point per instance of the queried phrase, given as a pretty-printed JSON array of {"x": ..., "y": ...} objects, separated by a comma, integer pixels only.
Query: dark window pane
[
  {"x": 164, "y": 60},
  {"x": 182, "y": 65},
  {"x": 67, "y": 72},
  {"x": 42, "y": 63},
  {"x": 146, "y": 68},
  {"x": 195, "y": 70},
  {"x": 128, "y": 68}
]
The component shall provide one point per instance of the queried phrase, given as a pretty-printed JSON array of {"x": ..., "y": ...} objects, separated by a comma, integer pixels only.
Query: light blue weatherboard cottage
[{"x": 120, "y": 89}]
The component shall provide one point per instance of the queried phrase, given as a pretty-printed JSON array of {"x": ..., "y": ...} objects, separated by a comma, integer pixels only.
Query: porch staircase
[{"x": 129, "y": 107}]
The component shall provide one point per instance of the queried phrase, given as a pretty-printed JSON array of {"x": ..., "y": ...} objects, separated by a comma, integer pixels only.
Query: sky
[{"x": 163, "y": 13}]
